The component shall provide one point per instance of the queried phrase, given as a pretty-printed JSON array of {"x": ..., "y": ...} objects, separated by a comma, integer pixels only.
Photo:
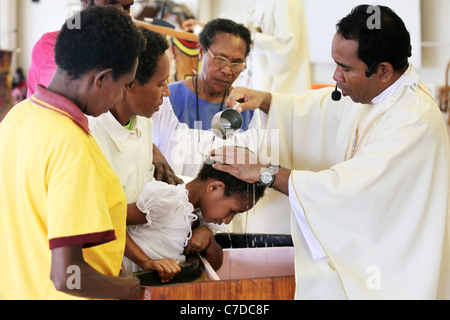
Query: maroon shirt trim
[
  {"x": 58, "y": 102},
  {"x": 86, "y": 240}
]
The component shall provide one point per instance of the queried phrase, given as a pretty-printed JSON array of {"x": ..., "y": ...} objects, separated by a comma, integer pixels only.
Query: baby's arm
[
  {"x": 135, "y": 216},
  {"x": 166, "y": 268},
  {"x": 203, "y": 241}
]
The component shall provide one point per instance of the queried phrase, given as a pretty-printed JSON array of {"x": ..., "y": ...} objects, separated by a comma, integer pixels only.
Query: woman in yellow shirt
[{"x": 62, "y": 208}]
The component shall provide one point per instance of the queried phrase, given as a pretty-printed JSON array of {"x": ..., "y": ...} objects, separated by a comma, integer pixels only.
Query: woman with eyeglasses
[
  {"x": 223, "y": 48},
  {"x": 182, "y": 126}
]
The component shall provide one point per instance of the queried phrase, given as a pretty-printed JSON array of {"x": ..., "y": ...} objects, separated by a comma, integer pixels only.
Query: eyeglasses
[{"x": 222, "y": 62}]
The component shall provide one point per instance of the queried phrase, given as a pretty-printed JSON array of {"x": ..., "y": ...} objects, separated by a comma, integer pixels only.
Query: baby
[{"x": 170, "y": 221}]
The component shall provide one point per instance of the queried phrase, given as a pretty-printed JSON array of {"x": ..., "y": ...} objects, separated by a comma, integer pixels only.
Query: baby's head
[{"x": 226, "y": 195}]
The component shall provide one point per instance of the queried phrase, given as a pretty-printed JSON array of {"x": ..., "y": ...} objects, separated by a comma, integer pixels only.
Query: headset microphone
[{"x": 336, "y": 95}]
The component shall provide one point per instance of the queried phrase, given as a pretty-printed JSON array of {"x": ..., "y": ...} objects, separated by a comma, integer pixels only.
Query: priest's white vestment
[
  {"x": 279, "y": 63},
  {"x": 371, "y": 182}
]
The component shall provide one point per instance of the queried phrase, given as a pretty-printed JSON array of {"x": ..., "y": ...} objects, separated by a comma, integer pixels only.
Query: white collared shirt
[
  {"x": 130, "y": 152},
  {"x": 409, "y": 78}
]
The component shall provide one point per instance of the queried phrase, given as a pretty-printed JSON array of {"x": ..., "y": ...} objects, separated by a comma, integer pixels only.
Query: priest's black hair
[{"x": 386, "y": 41}]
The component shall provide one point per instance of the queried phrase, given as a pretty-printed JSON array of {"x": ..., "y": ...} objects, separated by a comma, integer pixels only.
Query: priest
[{"x": 366, "y": 173}]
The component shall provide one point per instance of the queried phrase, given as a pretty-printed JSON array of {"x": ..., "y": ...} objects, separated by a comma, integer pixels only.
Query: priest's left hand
[
  {"x": 239, "y": 162},
  {"x": 245, "y": 165}
]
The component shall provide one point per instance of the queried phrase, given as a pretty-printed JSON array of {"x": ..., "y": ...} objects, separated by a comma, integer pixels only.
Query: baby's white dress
[{"x": 169, "y": 223}]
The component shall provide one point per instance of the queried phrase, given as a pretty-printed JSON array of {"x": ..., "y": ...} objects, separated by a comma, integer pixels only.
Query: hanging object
[{"x": 5, "y": 83}]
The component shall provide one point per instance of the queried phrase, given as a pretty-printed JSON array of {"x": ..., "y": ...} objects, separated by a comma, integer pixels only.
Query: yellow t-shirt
[{"x": 56, "y": 189}]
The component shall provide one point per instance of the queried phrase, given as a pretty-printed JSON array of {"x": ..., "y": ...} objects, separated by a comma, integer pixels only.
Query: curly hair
[
  {"x": 233, "y": 185},
  {"x": 216, "y": 26},
  {"x": 107, "y": 38},
  {"x": 156, "y": 47}
]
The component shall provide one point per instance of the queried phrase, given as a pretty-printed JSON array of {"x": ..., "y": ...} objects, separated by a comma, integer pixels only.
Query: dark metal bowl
[{"x": 190, "y": 271}]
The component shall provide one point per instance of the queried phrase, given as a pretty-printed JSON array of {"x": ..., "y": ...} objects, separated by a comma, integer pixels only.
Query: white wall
[
  {"x": 322, "y": 25},
  {"x": 37, "y": 18},
  {"x": 436, "y": 40}
]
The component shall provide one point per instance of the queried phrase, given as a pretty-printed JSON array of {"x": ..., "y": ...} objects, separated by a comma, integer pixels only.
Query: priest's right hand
[{"x": 249, "y": 99}]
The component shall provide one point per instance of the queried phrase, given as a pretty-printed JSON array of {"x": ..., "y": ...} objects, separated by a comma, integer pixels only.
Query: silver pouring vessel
[{"x": 225, "y": 123}]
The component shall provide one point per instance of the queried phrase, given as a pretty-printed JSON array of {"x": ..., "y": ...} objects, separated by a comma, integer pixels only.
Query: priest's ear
[{"x": 385, "y": 72}]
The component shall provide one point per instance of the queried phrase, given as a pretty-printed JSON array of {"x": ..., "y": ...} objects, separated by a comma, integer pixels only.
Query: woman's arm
[
  {"x": 163, "y": 171},
  {"x": 72, "y": 275}
]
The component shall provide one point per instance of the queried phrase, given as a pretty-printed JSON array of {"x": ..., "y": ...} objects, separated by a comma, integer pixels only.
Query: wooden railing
[{"x": 168, "y": 31}]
